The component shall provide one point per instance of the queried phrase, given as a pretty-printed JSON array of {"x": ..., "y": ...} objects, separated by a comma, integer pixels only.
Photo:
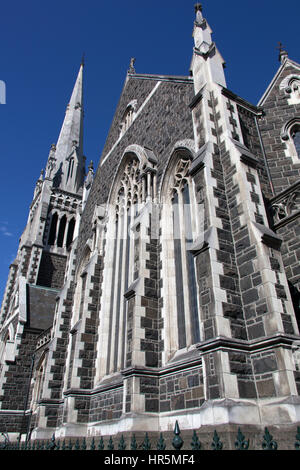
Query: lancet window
[
  {"x": 291, "y": 135},
  {"x": 179, "y": 230},
  {"x": 295, "y": 134},
  {"x": 129, "y": 195},
  {"x": 61, "y": 230},
  {"x": 38, "y": 381},
  {"x": 128, "y": 117}
]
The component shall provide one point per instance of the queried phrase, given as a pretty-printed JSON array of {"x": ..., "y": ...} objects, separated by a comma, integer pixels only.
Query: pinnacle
[{"x": 198, "y": 7}]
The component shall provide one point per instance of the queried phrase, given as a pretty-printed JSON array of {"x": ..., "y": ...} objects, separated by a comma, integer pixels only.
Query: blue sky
[{"x": 41, "y": 45}]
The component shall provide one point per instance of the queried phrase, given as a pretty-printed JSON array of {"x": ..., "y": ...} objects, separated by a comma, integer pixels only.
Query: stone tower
[
  {"x": 37, "y": 274},
  {"x": 180, "y": 294}
]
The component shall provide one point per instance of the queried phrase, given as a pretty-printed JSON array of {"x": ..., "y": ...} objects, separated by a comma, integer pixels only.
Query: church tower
[{"x": 38, "y": 272}]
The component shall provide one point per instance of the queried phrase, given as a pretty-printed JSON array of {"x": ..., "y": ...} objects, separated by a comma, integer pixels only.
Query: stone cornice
[
  {"x": 162, "y": 78},
  {"x": 252, "y": 346}
]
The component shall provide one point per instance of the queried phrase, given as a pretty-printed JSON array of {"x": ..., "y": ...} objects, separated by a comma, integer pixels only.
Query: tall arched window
[
  {"x": 53, "y": 227},
  {"x": 70, "y": 168},
  {"x": 128, "y": 117},
  {"x": 128, "y": 196},
  {"x": 38, "y": 381},
  {"x": 3, "y": 350},
  {"x": 295, "y": 135},
  {"x": 179, "y": 230},
  {"x": 61, "y": 232},
  {"x": 290, "y": 133},
  {"x": 70, "y": 232}
]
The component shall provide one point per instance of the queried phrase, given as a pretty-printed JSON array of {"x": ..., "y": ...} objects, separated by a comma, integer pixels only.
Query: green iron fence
[{"x": 241, "y": 443}]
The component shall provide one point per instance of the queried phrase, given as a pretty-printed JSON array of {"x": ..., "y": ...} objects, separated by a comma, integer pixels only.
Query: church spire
[
  {"x": 69, "y": 168},
  {"x": 207, "y": 63}
]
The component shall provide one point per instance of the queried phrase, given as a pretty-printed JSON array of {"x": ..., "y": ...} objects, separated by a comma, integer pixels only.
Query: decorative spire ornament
[{"x": 131, "y": 65}]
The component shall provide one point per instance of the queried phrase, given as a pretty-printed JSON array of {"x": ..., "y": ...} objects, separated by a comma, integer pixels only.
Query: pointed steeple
[
  {"x": 69, "y": 168},
  {"x": 207, "y": 63}
]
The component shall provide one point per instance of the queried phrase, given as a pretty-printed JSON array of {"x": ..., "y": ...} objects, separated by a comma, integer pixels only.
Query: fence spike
[
  {"x": 110, "y": 444},
  {"x": 146, "y": 444},
  {"x": 122, "y": 444},
  {"x": 177, "y": 442},
  {"x": 268, "y": 442},
  {"x": 195, "y": 444},
  {"x": 101, "y": 444},
  {"x": 52, "y": 443},
  {"x": 83, "y": 445},
  {"x": 77, "y": 446},
  {"x": 161, "y": 445},
  {"x": 241, "y": 443},
  {"x": 216, "y": 443},
  {"x": 133, "y": 444}
]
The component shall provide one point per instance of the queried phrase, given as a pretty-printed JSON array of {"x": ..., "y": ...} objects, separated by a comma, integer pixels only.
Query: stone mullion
[
  {"x": 118, "y": 283},
  {"x": 109, "y": 241},
  {"x": 126, "y": 241},
  {"x": 138, "y": 335},
  {"x": 68, "y": 218},
  {"x": 59, "y": 217},
  {"x": 186, "y": 294},
  {"x": 168, "y": 290}
]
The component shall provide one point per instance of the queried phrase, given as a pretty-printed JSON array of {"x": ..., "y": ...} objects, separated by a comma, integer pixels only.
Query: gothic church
[{"x": 164, "y": 287}]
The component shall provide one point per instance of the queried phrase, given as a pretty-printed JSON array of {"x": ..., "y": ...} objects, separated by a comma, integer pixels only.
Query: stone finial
[
  {"x": 198, "y": 7},
  {"x": 198, "y": 11},
  {"x": 282, "y": 53},
  {"x": 131, "y": 66},
  {"x": 91, "y": 165}
]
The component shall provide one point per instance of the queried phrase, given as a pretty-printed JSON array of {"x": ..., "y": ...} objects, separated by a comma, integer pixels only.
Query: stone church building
[{"x": 165, "y": 286}]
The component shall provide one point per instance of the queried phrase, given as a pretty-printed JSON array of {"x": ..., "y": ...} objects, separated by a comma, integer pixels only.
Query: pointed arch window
[
  {"x": 38, "y": 381},
  {"x": 61, "y": 232},
  {"x": 291, "y": 135},
  {"x": 122, "y": 259},
  {"x": 3, "y": 350},
  {"x": 180, "y": 290},
  {"x": 53, "y": 227},
  {"x": 128, "y": 116},
  {"x": 295, "y": 134},
  {"x": 70, "y": 234},
  {"x": 70, "y": 168}
]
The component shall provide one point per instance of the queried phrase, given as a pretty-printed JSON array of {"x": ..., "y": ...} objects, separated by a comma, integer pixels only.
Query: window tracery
[
  {"x": 291, "y": 87},
  {"x": 291, "y": 135},
  {"x": 179, "y": 215}
]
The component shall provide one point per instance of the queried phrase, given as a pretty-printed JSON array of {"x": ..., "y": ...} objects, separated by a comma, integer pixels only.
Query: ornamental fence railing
[{"x": 54, "y": 444}]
